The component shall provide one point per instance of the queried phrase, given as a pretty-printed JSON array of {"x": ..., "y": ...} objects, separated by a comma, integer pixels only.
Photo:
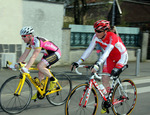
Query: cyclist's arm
[
  {"x": 113, "y": 39},
  {"x": 24, "y": 55},
  {"x": 33, "y": 57},
  {"x": 106, "y": 53}
]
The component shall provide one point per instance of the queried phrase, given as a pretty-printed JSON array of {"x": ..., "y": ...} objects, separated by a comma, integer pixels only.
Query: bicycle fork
[
  {"x": 88, "y": 90},
  {"x": 20, "y": 85}
]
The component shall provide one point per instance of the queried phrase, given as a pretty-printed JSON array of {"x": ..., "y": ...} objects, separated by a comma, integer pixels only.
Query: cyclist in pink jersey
[
  {"x": 51, "y": 55},
  {"x": 115, "y": 54}
]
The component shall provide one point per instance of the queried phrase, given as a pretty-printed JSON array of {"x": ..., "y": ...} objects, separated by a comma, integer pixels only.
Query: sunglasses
[
  {"x": 24, "y": 36},
  {"x": 98, "y": 31}
]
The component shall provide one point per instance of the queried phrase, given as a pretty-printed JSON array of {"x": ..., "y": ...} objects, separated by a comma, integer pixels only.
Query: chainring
[{"x": 39, "y": 96}]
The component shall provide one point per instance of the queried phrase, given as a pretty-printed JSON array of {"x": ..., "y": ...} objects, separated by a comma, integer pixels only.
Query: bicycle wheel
[
  {"x": 60, "y": 97},
  {"x": 124, "y": 97},
  {"x": 73, "y": 106},
  {"x": 10, "y": 102}
]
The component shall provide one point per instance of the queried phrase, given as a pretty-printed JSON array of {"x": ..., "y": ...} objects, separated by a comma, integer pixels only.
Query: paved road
[
  {"x": 142, "y": 82},
  {"x": 141, "y": 108}
]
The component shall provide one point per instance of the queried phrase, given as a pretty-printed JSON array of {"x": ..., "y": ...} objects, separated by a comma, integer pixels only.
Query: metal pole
[
  {"x": 113, "y": 13},
  {"x": 138, "y": 53}
]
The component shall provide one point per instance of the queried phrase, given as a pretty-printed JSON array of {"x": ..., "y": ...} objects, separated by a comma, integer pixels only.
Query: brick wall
[{"x": 10, "y": 48}]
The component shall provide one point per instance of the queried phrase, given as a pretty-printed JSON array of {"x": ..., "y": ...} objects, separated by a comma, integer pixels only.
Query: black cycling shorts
[{"x": 51, "y": 59}]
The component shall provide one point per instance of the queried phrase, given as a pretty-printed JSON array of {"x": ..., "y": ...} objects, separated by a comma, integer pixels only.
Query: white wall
[
  {"x": 10, "y": 21},
  {"x": 46, "y": 18}
]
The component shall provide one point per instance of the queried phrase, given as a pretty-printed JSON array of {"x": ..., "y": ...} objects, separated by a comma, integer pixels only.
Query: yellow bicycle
[{"x": 16, "y": 91}]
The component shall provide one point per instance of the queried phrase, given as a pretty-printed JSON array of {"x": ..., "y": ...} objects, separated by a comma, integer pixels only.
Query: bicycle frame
[
  {"x": 42, "y": 92},
  {"x": 120, "y": 97},
  {"x": 16, "y": 91},
  {"x": 93, "y": 82}
]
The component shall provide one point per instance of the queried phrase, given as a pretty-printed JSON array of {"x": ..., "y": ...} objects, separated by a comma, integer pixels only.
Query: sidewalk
[{"x": 128, "y": 73}]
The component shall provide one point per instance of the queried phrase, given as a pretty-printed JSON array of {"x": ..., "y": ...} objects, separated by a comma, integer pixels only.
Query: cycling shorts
[
  {"x": 50, "y": 59},
  {"x": 112, "y": 63}
]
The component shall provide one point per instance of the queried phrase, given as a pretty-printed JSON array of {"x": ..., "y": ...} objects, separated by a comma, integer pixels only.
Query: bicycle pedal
[
  {"x": 35, "y": 100},
  {"x": 57, "y": 88}
]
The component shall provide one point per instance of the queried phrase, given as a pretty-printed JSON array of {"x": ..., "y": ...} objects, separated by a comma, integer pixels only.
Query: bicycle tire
[
  {"x": 72, "y": 106},
  {"x": 11, "y": 103},
  {"x": 60, "y": 97},
  {"x": 125, "y": 105}
]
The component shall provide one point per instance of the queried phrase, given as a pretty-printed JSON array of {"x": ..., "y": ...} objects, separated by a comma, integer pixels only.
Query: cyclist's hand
[
  {"x": 115, "y": 72},
  {"x": 24, "y": 70},
  {"x": 22, "y": 64},
  {"x": 12, "y": 66},
  {"x": 94, "y": 68},
  {"x": 74, "y": 65},
  {"x": 16, "y": 65}
]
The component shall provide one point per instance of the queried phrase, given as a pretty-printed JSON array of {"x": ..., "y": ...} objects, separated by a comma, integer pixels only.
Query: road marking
[
  {"x": 139, "y": 81},
  {"x": 143, "y": 89}
]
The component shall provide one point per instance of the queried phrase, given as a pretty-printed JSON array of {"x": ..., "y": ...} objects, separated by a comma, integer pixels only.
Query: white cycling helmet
[{"x": 26, "y": 30}]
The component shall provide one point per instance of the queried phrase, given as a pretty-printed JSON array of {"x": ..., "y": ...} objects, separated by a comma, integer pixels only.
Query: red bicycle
[{"x": 83, "y": 99}]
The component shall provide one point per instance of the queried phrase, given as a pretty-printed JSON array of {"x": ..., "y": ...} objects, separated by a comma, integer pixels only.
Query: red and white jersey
[{"x": 112, "y": 45}]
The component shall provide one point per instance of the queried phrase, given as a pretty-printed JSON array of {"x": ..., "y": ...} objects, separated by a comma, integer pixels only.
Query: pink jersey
[
  {"x": 113, "y": 48},
  {"x": 47, "y": 47}
]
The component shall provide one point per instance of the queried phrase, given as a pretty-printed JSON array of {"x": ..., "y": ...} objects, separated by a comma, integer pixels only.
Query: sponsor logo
[{"x": 51, "y": 46}]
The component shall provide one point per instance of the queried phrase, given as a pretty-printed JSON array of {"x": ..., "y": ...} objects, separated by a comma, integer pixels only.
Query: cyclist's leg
[
  {"x": 107, "y": 68},
  {"x": 61, "y": 89},
  {"x": 105, "y": 81},
  {"x": 44, "y": 71},
  {"x": 41, "y": 76},
  {"x": 46, "y": 62},
  {"x": 40, "y": 66},
  {"x": 119, "y": 62}
]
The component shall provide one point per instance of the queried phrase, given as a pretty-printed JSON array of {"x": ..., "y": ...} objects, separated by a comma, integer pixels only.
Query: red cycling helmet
[{"x": 102, "y": 25}]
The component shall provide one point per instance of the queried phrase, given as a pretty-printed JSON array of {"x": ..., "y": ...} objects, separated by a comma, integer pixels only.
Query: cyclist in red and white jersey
[
  {"x": 115, "y": 54},
  {"x": 51, "y": 54}
]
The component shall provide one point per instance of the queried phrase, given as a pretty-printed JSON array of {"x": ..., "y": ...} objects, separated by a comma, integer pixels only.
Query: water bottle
[
  {"x": 37, "y": 81},
  {"x": 102, "y": 89}
]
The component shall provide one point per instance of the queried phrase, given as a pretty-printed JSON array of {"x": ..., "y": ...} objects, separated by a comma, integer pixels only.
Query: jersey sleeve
[
  {"x": 106, "y": 53},
  {"x": 37, "y": 44},
  {"x": 28, "y": 46}
]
